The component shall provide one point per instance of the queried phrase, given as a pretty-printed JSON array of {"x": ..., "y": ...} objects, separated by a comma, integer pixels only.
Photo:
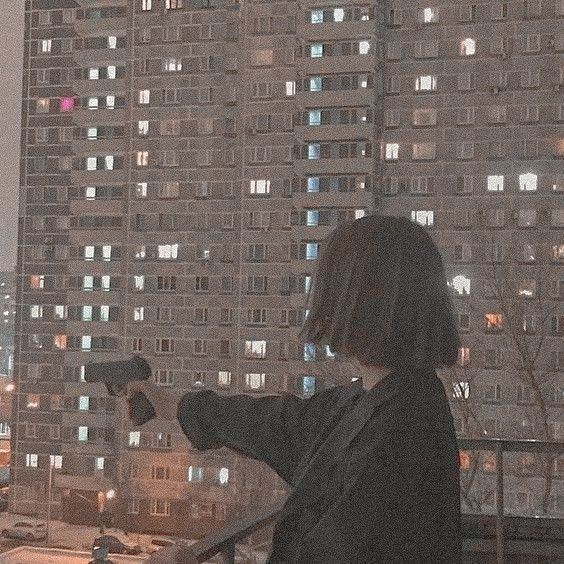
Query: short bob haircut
[{"x": 380, "y": 294}]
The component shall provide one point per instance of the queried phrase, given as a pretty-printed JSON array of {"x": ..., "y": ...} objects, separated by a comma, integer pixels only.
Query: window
[
  {"x": 426, "y": 83},
  {"x": 31, "y": 460},
  {"x": 316, "y": 50},
  {"x": 163, "y": 377},
  {"x": 255, "y": 381},
  {"x": 45, "y": 45},
  {"x": 146, "y": 5},
  {"x": 528, "y": 182},
  {"x": 83, "y": 403},
  {"x": 527, "y": 218},
  {"x": 255, "y": 349},
  {"x": 259, "y": 186},
  {"x": 424, "y": 151},
  {"x": 363, "y": 47},
  {"x": 493, "y": 321},
  {"x": 142, "y": 158},
  {"x": 422, "y": 217},
  {"x": 167, "y": 251},
  {"x": 134, "y": 439},
  {"x": 314, "y": 117},
  {"x": 171, "y": 64},
  {"x": 173, "y": 4},
  {"x": 313, "y": 151},
  {"x": 142, "y": 129},
  {"x": 315, "y": 84},
  {"x": 160, "y": 473},
  {"x": 316, "y": 16},
  {"x": 164, "y": 346},
  {"x": 290, "y": 88},
  {"x": 495, "y": 183},
  {"x": 262, "y": 57},
  {"x": 160, "y": 508},
  {"x": 222, "y": 476},
  {"x": 82, "y": 433},
  {"x": 461, "y": 285},
  {"x": 429, "y": 15},
  {"x": 42, "y": 105},
  {"x": 421, "y": 117},
  {"x": 195, "y": 474},
  {"x": 144, "y": 96},
  {"x": 467, "y": 47},
  {"x": 391, "y": 151}
]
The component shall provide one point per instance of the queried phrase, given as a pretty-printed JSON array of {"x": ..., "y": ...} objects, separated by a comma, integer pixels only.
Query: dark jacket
[{"x": 392, "y": 495}]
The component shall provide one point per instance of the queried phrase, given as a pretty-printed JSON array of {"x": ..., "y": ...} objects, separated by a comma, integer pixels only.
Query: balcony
[{"x": 486, "y": 538}]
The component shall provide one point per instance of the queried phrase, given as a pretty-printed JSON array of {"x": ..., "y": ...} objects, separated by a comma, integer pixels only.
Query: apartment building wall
[
  {"x": 174, "y": 194},
  {"x": 472, "y": 148}
]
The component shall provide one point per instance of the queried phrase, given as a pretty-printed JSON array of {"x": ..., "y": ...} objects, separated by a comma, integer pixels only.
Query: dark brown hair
[{"x": 380, "y": 294}]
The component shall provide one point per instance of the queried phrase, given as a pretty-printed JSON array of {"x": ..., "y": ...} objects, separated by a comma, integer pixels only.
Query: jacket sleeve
[{"x": 273, "y": 429}]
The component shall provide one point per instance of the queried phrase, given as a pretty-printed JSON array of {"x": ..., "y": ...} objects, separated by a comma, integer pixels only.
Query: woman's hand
[{"x": 164, "y": 402}]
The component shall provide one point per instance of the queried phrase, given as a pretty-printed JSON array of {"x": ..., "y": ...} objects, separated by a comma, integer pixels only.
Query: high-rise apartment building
[
  {"x": 8, "y": 314},
  {"x": 181, "y": 161}
]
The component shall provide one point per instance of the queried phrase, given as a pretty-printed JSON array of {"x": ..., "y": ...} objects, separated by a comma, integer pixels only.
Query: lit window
[
  {"x": 314, "y": 117},
  {"x": 45, "y": 45},
  {"x": 106, "y": 252},
  {"x": 134, "y": 438},
  {"x": 93, "y": 73},
  {"x": 338, "y": 15},
  {"x": 260, "y": 186},
  {"x": 110, "y": 101},
  {"x": 146, "y": 5},
  {"x": 195, "y": 474},
  {"x": 495, "y": 183},
  {"x": 460, "y": 390},
  {"x": 313, "y": 184},
  {"x": 140, "y": 251},
  {"x": 88, "y": 282},
  {"x": 141, "y": 190},
  {"x": 255, "y": 381},
  {"x": 56, "y": 461},
  {"x": 316, "y": 50},
  {"x": 143, "y": 127},
  {"x": 467, "y": 47},
  {"x": 144, "y": 96},
  {"x": 83, "y": 403},
  {"x": 112, "y": 42},
  {"x": 255, "y": 349},
  {"x": 31, "y": 460},
  {"x": 42, "y": 105},
  {"x": 290, "y": 88},
  {"x": 463, "y": 356},
  {"x": 138, "y": 313},
  {"x": 93, "y": 103},
  {"x": 82, "y": 433},
  {"x": 168, "y": 251},
  {"x": 111, "y": 72},
  {"x": 171, "y": 64},
  {"x": 139, "y": 282},
  {"x": 316, "y": 16},
  {"x": 142, "y": 158},
  {"x": 392, "y": 151},
  {"x": 91, "y": 163},
  {"x": 311, "y": 251},
  {"x": 312, "y": 218},
  {"x": 36, "y": 311},
  {"x": 364, "y": 47},
  {"x": 109, "y": 162},
  {"x": 493, "y": 321},
  {"x": 223, "y": 476},
  {"x": 423, "y": 217},
  {"x": 430, "y": 15},
  {"x": 528, "y": 182},
  {"x": 461, "y": 285},
  {"x": 92, "y": 133},
  {"x": 99, "y": 463},
  {"x": 315, "y": 84},
  {"x": 87, "y": 313},
  {"x": 66, "y": 104},
  {"x": 426, "y": 83},
  {"x": 89, "y": 252},
  {"x": 60, "y": 342},
  {"x": 313, "y": 151},
  {"x": 224, "y": 378},
  {"x": 358, "y": 213},
  {"x": 86, "y": 342}
]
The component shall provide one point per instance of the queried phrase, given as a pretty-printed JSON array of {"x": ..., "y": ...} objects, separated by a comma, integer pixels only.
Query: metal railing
[{"x": 223, "y": 542}]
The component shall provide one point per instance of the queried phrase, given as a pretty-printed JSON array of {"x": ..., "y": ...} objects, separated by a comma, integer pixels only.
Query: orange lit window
[
  {"x": 493, "y": 321},
  {"x": 464, "y": 458},
  {"x": 463, "y": 356},
  {"x": 60, "y": 341}
]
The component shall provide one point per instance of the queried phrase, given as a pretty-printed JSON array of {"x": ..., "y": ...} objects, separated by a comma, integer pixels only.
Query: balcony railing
[{"x": 222, "y": 543}]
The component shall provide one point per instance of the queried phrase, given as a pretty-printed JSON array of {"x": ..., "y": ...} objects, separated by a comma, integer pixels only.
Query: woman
[{"x": 373, "y": 463}]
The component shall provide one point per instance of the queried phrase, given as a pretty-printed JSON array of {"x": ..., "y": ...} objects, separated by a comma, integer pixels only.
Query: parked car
[
  {"x": 26, "y": 530},
  {"x": 115, "y": 546}
]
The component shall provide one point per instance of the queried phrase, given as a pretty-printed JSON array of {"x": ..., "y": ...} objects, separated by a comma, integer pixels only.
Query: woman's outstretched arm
[{"x": 274, "y": 429}]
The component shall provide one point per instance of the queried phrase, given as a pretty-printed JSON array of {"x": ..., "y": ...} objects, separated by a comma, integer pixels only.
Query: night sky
[{"x": 11, "y": 53}]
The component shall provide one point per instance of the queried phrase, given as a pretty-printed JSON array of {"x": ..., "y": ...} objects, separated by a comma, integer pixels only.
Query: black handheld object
[{"x": 115, "y": 375}]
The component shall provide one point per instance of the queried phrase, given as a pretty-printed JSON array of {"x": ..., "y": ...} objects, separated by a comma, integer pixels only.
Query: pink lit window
[{"x": 66, "y": 104}]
